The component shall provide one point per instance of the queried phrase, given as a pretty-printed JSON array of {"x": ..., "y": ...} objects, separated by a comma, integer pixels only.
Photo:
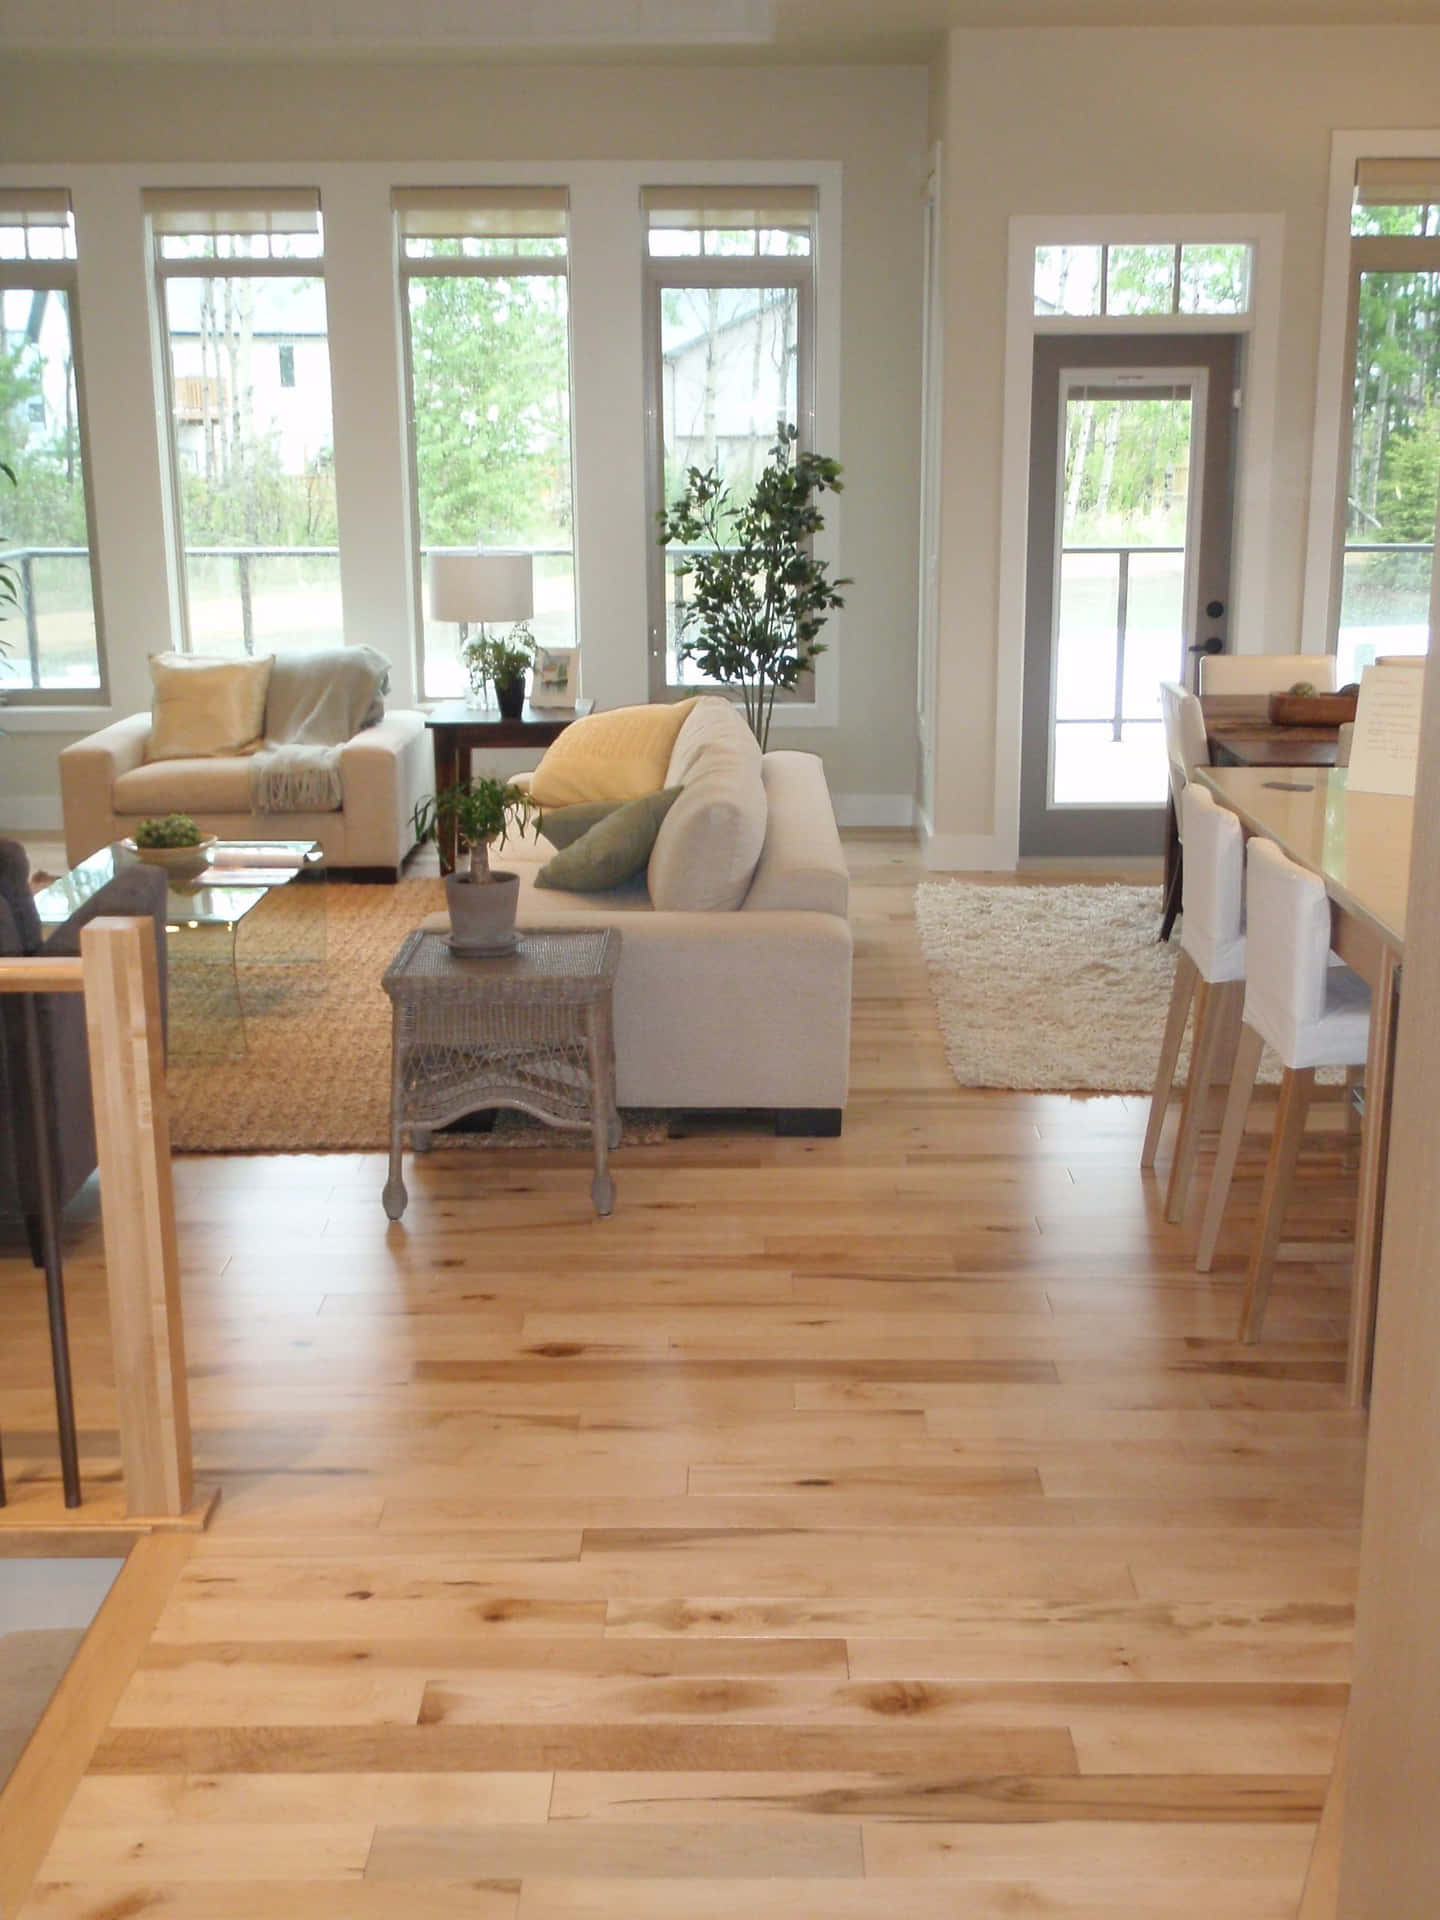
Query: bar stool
[
  {"x": 1314, "y": 1014},
  {"x": 1210, "y": 976}
]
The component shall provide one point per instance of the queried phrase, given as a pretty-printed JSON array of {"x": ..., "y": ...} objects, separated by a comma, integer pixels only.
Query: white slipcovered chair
[
  {"x": 1314, "y": 1014},
  {"x": 1265, "y": 672},
  {"x": 1186, "y": 747},
  {"x": 1210, "y": 976}
]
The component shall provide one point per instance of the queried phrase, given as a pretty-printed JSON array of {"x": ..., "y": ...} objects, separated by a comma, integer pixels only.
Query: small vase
[
  {"x": 510, "y": 697},
  {"x": 482, "y": 913}
]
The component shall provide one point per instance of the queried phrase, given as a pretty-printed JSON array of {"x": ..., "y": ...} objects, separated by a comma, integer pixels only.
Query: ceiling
[{"x": 762, "y": 30}]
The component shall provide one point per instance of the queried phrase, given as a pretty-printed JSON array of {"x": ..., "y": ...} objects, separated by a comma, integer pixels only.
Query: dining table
[
  {"x": 1359, "y": 845},
  {"x": 1242, "y": 734}
]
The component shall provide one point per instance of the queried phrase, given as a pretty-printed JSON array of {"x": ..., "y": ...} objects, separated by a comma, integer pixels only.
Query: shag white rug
[{"x": 1048, "y": 988}]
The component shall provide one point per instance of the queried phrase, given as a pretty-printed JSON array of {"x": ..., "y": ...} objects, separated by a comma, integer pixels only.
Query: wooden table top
[
  {"x": 1241, "y": 733},
  {"x": 1359, "y": 843}
]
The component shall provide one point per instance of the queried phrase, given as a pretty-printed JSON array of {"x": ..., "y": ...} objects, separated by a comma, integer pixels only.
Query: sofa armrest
[
  {"x": 89, "y": 769},
  {"x": 802, "y": 863},
  {"x": 385, "y": 771}
]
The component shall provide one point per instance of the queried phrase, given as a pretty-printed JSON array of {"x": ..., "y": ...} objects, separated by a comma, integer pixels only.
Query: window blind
[
  {"x": 216, "y": 210},
  {"x": 482, "y": 213},
  {"x": 1398, "y": 183},
  {"x": 34, "y": 207},
  {"x": 730, "y": 209}
]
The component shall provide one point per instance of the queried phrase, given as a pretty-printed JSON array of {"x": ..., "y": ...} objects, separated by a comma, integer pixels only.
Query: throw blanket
[{"x": 314, "y": 704}]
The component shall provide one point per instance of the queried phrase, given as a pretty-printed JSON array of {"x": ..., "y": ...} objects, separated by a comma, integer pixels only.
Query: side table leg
[
  {"x": 394, "y": 1196},
  {"x": 447, "y": 774},
  {"x": 602, "y": 1104}
]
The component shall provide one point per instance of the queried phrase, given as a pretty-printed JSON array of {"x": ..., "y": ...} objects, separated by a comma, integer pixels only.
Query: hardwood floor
[{"x": 889, "y": 1525}]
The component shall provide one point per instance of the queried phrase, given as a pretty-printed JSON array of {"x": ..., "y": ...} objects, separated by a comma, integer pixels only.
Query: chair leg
[
  {"x": 1187, "y": 976},
  {"x": 1172, "y": 896},
  {"x": 1275, "y": 1195},
  {"x": 1232, "y": 1131},
  {"x": 1214, "y": 1025}
]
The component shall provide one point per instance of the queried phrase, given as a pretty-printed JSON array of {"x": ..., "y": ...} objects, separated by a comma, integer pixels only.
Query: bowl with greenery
[{"x": 171, "y": 840}]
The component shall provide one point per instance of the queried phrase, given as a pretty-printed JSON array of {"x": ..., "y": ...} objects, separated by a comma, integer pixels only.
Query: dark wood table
[
  {"x": 1241, "y": 734},
  {"x": 456, "y": 727}
]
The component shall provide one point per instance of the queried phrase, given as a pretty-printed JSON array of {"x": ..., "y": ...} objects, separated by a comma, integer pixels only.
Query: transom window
[
  {"x": 50, "y": 645},
  {"x": 487, "y": 316},
  {"x": 252, "y": 442},
  {"x": 1146, "y": 279},
  {"x": 730, "y": 350}
]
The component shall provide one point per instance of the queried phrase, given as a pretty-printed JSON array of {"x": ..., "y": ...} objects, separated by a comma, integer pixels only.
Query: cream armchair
[{"x": 107, "y": 786}]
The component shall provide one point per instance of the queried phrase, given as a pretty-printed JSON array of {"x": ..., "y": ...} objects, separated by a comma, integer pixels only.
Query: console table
[
  {"x": 533, "y": 1029},
  {"x": 456, "y": 727}
]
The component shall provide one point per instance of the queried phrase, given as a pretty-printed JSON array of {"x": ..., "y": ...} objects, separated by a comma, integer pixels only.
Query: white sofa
[
  {"x": 107, "y": 786},
  {"x": 743, "y": 1008}
]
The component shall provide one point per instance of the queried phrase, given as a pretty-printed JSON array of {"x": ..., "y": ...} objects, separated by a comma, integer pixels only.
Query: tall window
[
  {"x": 50, "y": 644},
  {"x": 487, "y": 309},
  {"x": 243, "y": 298},
  {"x": 1387, "y": 551},
  {"x": 730, "y": 332}
]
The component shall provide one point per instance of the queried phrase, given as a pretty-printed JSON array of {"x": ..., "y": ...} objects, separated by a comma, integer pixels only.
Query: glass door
[{"x": 1129, "y": 557}]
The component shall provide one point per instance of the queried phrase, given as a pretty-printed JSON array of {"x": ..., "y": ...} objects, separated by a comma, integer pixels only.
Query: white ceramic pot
[{"x": 482, "y": 914}]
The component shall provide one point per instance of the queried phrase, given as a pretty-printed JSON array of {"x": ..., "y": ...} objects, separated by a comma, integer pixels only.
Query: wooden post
[{"x": 137, "y": 1214}]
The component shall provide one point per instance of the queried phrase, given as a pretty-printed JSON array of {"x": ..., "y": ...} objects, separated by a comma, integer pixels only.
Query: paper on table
[{"x": 1386, "y": 742}]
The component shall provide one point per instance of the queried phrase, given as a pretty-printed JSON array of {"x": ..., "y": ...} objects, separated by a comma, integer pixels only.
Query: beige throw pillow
[
  {"x": 707, "y": 849},
  {"x": 203, "y": 706}
]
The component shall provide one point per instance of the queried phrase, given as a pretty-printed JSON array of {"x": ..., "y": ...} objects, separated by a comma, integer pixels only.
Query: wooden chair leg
[
  {"x": 1295, "y": 1090},
  {"x": 1187, "y": 976},
  {"x": 1173, "y": 892},
  {"x": 1214, "y": 1027},
  {"x": 1232, "y": 1131}
]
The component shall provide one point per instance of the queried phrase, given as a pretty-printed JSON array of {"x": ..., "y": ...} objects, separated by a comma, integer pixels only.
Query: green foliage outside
[{"x": 1127, "y": 471}]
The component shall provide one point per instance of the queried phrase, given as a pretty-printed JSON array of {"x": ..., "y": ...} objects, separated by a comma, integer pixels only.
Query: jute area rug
[
  {"x": 1049, "y": 988},
  {"x": 314, "y": 1076}
]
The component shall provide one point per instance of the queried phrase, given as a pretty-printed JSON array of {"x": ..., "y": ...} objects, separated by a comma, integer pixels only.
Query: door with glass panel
[{"x": 1128, "y": 568}]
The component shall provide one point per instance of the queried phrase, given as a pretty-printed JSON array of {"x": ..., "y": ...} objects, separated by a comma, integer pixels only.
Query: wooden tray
[{"x": 1311, "y": 709}]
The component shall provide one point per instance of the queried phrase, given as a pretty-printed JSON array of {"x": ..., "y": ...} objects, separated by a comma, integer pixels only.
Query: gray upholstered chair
[{"x": 139, "y": 892}]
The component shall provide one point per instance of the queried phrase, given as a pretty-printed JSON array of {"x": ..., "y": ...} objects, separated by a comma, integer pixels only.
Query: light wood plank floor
[{"x": 873, "y": 1527}]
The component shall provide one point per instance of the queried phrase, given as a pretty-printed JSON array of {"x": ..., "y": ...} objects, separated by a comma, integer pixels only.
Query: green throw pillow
[
  {"x": 562, "y": 826},
  {"x": 614, "y": 850}
]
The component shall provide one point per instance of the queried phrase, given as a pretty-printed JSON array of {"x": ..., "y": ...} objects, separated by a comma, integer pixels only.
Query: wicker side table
[{"x": 533, "y": 1030}]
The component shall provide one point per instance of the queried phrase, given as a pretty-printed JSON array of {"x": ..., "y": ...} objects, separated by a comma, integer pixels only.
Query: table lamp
[{"x": 481, "y": 589}]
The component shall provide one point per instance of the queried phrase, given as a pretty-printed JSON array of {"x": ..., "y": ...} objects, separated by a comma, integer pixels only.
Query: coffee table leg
[
  {"x": 602, "y": 1103},
  {"x": 394, "y": 1196}
]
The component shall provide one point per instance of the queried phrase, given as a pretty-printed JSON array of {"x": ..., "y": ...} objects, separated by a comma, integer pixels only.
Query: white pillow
[
  {"x": 202, "y": 707},
  {"x": 709, "y": 843}
]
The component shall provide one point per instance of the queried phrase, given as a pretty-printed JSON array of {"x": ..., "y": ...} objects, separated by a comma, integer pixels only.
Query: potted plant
[
  {"x": 760, "y": 596},
  {"x": 503, "y": 663},
  {"x": 481, "y": 901}
]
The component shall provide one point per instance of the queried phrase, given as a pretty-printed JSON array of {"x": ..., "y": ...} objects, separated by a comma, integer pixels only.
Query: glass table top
[{"x": 235, "y": 878}]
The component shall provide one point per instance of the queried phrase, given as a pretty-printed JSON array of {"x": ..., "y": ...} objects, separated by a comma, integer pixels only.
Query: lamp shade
[{"x": 498, "y": 587}]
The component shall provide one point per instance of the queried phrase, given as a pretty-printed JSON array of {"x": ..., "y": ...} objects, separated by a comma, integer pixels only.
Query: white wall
[
  {"x": 1125, "y": 122},
  {"x": 360, "y": 124}
]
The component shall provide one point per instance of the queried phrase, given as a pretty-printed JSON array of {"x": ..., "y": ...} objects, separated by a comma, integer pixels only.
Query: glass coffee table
[{"x": 205, "y": 909}]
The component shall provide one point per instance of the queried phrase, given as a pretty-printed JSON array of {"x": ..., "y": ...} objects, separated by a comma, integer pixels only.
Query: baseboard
[
  {"x": 31, "y": 813},
  {"x": 874, "y": 809},
  {"x": 967, "y": 853}
]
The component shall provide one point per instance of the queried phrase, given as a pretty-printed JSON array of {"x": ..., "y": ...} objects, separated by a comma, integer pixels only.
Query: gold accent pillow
[
  {"x": 622, "y": 754},
  {"x": 202, "y": 706}
]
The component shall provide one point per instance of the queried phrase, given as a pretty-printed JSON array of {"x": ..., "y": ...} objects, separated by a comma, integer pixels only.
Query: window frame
[
  {"x": 506, "y": 266},
  {"x": 63, "y": 276},
  {"x": 663, "y": 271},
  {"x": 1369, "y": 253},
  {"x": 215, "y": 267}
]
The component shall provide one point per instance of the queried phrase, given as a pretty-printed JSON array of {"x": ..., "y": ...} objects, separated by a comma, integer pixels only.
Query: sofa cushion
[
  {"x": 219, "y": 785},
  {"x": 614, "y": 850},
  {"x": 617, "y": 755},
  {"x": 206, "y": 706},
  {"x": 708, "y": 846}
]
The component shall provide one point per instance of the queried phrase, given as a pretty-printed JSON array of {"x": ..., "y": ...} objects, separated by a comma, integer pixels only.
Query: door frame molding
[{"x": 1255, "y": 506}]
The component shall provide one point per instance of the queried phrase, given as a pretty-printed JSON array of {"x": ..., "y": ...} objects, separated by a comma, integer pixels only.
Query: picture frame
[{"x": 555, "y": 679}]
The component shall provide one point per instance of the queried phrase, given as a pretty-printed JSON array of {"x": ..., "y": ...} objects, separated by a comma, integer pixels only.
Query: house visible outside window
[
  {"x": 241, "y": 273},
  {"x": 730, "y": 351},
  {"x": 1386, "y": 550},
  {"x": 487, "y": 317},
  {"x": 50, "y": 645},
  {"x": 1118, "y": 281}
]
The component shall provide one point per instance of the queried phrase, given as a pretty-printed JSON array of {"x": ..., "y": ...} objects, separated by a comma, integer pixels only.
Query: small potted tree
[
  {"x": 759, "y": 597},
  {"x": 481, "y": 901}
]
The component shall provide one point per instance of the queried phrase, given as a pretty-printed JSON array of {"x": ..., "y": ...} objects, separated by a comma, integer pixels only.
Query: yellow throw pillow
[
  {"x": 204, "y": 707},
  {"x": 620, "y": 755}
]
